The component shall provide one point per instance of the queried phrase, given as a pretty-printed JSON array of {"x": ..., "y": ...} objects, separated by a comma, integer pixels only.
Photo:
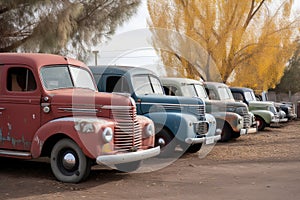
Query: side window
[
  {"x": 117, "y": 84},
  {"x": 238, "y": 96},
  {"x": 170, "y": 90},
  {"x": 212, "y": 95},
  {"x": 20, "y": 79}
]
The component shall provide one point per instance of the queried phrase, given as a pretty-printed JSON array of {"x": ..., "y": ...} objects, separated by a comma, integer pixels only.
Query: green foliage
[{"x": 61, "y": 26}]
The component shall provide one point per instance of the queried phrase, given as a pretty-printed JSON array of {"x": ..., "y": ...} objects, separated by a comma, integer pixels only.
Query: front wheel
[
  {"x": 226, "y": 133},
  {"x": 194, "y": 148},
  {"x": 68, "y": 162},
  {"x": 261, "y": 124},
  {"x": 167, "y": 143}
]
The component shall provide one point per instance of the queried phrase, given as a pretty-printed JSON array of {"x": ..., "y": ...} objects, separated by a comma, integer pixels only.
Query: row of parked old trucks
[{"x": 54, "y": 106}]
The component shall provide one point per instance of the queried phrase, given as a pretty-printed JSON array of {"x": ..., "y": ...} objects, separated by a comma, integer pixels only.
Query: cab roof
[
  {"x": 179, "y": 80},
  {"x": 244, "y": 89},
  {"x": 36, "y": 59},
  {"x": 120, "y": 70}
]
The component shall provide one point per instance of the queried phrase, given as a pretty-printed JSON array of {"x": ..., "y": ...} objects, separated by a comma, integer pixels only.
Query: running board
[{"x": 15, "y": 153}]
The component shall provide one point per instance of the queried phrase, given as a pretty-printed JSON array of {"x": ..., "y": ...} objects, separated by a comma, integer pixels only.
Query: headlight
[
  {"x": 240, "y": 121},
  {"x": 149, "y": 130},
  {"x": 107, "y": 135}
]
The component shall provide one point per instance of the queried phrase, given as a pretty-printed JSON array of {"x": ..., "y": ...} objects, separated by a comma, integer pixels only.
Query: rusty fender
[{"x": 85, "y": 131}]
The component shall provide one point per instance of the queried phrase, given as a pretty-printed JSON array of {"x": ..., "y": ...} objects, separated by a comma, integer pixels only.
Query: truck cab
[
  {"x": 178, "y": 120},
  {"x": 50, "y": 107},
  {"x": 233, "y": 118},
  {"x": 265, "y": 112}
]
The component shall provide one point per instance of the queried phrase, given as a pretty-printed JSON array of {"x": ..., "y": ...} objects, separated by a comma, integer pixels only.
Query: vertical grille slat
[
  {"x": 128, "y": 133},
  {"x": 244, "y": 113}
]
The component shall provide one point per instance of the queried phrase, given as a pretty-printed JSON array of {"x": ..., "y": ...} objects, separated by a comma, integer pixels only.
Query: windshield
[
  {"x": 195, "y": 90},
  {"x": 201, "y": 91},
  {"x": 249, "y": 96},
  {"x": 64, "y": 76},
  {"x": 145, "y": 84},
  {"x": 224, "y": 93}
]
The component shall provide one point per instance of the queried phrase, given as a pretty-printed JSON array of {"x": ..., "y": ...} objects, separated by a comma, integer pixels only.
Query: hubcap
[
  {"x": 258, "y": 123},
  {"x": 161, "y": 142},
  {"x": 69, "y": 161}
]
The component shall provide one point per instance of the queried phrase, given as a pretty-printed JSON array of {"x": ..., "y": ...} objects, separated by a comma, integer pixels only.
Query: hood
[
  {"x": 261, "y": 103},
  {"x": 226, "y": 106},
  {"x": 157, "y": 103},
  {"x": 82, "y": 102}
]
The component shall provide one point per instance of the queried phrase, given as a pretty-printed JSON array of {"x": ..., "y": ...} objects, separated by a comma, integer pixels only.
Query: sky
[{"x": 131, "y": 44}]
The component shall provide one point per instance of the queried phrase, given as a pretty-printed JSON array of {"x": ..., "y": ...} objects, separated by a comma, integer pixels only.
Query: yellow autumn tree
[{"x": 246, "y": 43}]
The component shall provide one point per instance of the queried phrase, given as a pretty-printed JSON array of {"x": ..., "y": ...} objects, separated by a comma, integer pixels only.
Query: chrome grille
[
  {"x": 243, "y": 111},
  {"x": 128, "y": 133},
  {"x": 198, "y": 110},
  {"x": 201, "y": 110},
  {"x": 247, "y": 121}
]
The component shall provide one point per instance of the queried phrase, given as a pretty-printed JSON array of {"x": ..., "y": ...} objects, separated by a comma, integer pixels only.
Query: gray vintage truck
[
  {"x": 180, "y": 118},
  {"x": 265, "y": 112},
  {"x": 288, "y": 108},
  {"x": 232, "y": 117}
]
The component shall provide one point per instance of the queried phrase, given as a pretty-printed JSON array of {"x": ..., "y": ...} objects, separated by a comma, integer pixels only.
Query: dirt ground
[{"x": 265, "y": 165}]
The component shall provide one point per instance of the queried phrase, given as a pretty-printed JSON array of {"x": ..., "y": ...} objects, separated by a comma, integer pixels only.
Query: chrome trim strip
[
  {"x": 78, "y": 110},
  {"x": 117, "y": 107},
  {"x": 14, "y": 153},
  {"x": 187, "y": 105}
]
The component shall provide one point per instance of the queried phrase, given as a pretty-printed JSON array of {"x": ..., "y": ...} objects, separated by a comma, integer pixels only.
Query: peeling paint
[{"x": 13, "y": 140}]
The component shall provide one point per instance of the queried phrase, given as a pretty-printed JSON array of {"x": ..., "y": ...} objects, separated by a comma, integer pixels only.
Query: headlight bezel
[
  {"x": 149, "y": 130},
  {"x": 107, "y": 135}
]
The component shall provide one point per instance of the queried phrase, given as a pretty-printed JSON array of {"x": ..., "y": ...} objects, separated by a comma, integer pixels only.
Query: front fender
[
  {"x": 233, "y": 119},
  {"x": 264, "y": 114},
  {"x": 147, "y": 140},
  {"x": 212, "y": 128},
  {"x": 181, "y": 125},
  {"x": 89, "y": 140}
]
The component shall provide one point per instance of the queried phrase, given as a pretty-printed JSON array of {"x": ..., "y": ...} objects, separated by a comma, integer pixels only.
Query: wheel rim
[
  {"x": 161, "y": 142},
  {"x": 68, "y": 162},
  {"x": 259, "y": 124}
]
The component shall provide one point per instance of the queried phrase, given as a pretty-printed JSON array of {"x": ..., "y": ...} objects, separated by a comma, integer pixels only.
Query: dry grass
[{"x": 272, "y": 144}]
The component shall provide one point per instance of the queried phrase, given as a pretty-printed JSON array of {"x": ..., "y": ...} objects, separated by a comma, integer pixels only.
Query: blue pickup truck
[{"x": 178, "y": 120}]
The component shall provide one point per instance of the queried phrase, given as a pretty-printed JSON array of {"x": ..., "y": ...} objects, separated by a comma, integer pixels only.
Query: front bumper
[
  {"x": 283, "y": 120},
  {"x": 275, "y": 121},
  {"x": 127, "y": 157},
  {"x": 245, "y": 131},
  {"x": 206, "y": 140}
]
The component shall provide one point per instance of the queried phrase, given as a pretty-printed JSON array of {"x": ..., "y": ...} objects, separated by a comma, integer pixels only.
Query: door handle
[{"x": 1, "y": 109}]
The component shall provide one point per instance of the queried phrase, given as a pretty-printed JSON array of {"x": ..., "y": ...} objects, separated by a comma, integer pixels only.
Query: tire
[
  {"x": 226, "y": 133},
  {"x": 164, "y": 139},
  {"x": 261, "y": 124},
  {"x": 69, "y": 172},
  {"x": 194, "y": 148},
  {"x": 235, "y": 135},
  {"x": 128, "y": 167}
]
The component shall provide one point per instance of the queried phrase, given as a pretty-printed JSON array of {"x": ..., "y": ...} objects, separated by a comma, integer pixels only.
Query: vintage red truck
[{"x": 50, "y": 107}]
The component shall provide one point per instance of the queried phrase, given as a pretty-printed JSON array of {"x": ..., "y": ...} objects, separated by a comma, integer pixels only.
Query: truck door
[{"x": 19, "y": 108}]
